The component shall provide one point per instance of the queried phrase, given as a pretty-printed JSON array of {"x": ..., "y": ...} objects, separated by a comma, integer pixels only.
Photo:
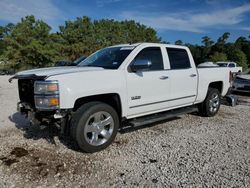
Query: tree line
[
  {"x": 221, "y": 50},
  {"x": 31, "y": 42}
]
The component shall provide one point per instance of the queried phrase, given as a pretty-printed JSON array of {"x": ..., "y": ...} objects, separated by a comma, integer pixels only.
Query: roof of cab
[
  {"x": 122, "y": 45},
  {"x": 147, "y": 43}
]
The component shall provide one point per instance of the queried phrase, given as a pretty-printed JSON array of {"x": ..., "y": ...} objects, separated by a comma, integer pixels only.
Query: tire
[
  {"x": 211, "y": 104},
  {"x": 94, "y": 126}
]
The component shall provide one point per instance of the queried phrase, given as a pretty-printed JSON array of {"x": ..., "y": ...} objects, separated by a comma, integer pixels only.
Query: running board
[{"x": 161, "y": 116}]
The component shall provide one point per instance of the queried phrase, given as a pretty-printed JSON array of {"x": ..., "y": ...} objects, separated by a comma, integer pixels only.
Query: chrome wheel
[
  {"x": 214, "y": 103},
  {"x": 99, "y": 128}
]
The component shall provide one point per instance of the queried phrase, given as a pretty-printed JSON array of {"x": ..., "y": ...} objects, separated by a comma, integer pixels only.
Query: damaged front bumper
[
  {"x": 29, "y": 112},
  {"x": 37, "y": 117}
]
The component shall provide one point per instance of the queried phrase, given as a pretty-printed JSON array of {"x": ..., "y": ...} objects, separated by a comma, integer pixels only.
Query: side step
[{"x": 161, "y": 116}]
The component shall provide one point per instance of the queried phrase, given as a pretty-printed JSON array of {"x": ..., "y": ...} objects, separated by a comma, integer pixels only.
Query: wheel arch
[
  {"x": 112, "y": 99},
  {"x": 217, "y": 85}
]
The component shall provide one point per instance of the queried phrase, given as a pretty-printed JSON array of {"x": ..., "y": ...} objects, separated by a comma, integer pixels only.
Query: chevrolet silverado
[{"x": 128, "y": 84}]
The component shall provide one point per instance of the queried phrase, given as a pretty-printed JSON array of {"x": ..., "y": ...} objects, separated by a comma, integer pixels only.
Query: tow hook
[{"x": 60, "y": 114}]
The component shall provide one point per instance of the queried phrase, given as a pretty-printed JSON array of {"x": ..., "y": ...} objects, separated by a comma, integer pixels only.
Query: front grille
[
  {"x": 242, "y": 81},
  {"x": 26, "y": 91}
]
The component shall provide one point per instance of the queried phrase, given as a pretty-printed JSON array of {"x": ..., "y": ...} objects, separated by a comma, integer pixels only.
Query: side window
[
  {"x": 152, "y": 54},
  {"x": 231, "y": 65},
  {"x": 178, "y": 58}
]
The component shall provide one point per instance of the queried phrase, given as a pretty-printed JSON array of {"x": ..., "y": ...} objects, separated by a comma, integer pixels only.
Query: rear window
[
  {"x": 222, "y": 64},
  {"x": 178, "y": 58},
  {"x": 231, "y": 65}
]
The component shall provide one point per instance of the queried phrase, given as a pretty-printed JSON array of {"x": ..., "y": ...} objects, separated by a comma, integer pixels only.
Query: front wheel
[
  {"x": 211, "y": 104},
  {"x": 94, "y": 126}
]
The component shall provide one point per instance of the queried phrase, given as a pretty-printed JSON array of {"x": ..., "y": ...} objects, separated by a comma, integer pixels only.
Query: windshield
[
  {"x": 79, "y": 60},
  {"x": 109, "y": 58}
]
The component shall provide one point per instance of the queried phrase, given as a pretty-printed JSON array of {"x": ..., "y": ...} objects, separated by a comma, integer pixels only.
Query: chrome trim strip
[{"x": 161, "y": 101}]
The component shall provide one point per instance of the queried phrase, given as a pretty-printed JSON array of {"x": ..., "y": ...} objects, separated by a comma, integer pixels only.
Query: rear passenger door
[{"x": 182, "y": 76}]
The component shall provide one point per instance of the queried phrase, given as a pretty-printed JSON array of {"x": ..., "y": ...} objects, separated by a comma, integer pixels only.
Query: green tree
[
  {"x": 4, "y": 31},
  {"x": 218, "y": 56},
  {"x": 206, "y": 49},
  {"x": 244, "y": 45},
  {"x": 237, "y": 56},
  {"x": 197, "y": 53},
  {"x": 223, "y": 38},
  {"x": 178, "y": 42},
  {"x": 29, "y": 44},
  {"x": 83, "y": 36},
  {"x": 220, "y": 45},
  {"x": 77, "y": 37},
  {"x": 207, "y": 41}
]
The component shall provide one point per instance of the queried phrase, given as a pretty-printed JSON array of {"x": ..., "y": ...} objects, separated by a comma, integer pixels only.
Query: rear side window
[
  {"x": 152, "y": 54},
  {"x": 178, "y": 58}
]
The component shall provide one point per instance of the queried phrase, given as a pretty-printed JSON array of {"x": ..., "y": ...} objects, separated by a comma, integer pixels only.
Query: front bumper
[
  {"x": 28, "y": 111},
  {"x": 36, "y": 116},
  {"x": 241, "y": 87}
]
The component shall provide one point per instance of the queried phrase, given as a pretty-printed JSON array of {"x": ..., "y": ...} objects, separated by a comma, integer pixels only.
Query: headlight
[
  {"x": 46, "y": 95},
  {"x": 46, "y": 87},
  {"x": 47, "y": 102}
]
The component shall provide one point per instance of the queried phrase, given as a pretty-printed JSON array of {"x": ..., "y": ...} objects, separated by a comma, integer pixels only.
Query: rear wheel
[
  {"x": 94, "y": 126},
  {"x": 211, "y": 104}
]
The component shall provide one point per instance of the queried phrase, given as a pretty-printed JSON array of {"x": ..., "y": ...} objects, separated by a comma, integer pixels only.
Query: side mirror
[{"x": 140, "y": 65}]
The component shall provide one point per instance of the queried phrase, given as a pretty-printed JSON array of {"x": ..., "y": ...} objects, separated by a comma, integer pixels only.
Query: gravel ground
[{"x": 188, "y": 151}]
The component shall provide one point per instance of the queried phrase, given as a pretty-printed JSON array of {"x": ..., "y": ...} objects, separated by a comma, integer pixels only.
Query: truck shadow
[
  {"x": 50, "y": 132},
  {"x": 34, "y": 132},
  {"x": 46, "y": 132}
]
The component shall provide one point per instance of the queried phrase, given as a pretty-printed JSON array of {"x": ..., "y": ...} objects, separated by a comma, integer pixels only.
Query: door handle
[
  {"x": 193, "y": 75},
  {"x": 164, "y": 77}
]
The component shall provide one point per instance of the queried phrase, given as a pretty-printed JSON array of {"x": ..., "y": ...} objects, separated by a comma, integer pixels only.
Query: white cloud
[
  {"x": 191, "y": 21},
  {"x": 246, "y": 28},
  {"x": 14, "y": 10},
  {"x": 101, "y": 3}
]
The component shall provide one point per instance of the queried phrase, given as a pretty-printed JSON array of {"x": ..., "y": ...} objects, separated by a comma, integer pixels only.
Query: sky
[{"x": 186, "y": 20}]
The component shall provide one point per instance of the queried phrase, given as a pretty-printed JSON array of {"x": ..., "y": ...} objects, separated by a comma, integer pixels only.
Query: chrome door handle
[
  {"x": 164, "y": 77},
  {"x": 193, "y": 75}
]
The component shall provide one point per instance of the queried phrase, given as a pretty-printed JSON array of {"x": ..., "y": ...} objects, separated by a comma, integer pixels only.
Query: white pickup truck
[
  {"x": 129, "y": 84},
  {"x": 231, "y": 65}
]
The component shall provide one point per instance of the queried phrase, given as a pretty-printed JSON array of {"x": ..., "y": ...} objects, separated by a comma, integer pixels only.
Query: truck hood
[
  {"x": 57, "y": 70},
  {"x": 51, "y": 71}
]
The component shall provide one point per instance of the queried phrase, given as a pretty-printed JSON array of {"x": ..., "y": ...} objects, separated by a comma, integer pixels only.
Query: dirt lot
[{"x": 185, "y": 151}]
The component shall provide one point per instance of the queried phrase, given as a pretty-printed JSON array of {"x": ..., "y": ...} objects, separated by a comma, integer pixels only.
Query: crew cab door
[
  {"x": 183, "y": 77},
  {"x": 148, "y": 90}
]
